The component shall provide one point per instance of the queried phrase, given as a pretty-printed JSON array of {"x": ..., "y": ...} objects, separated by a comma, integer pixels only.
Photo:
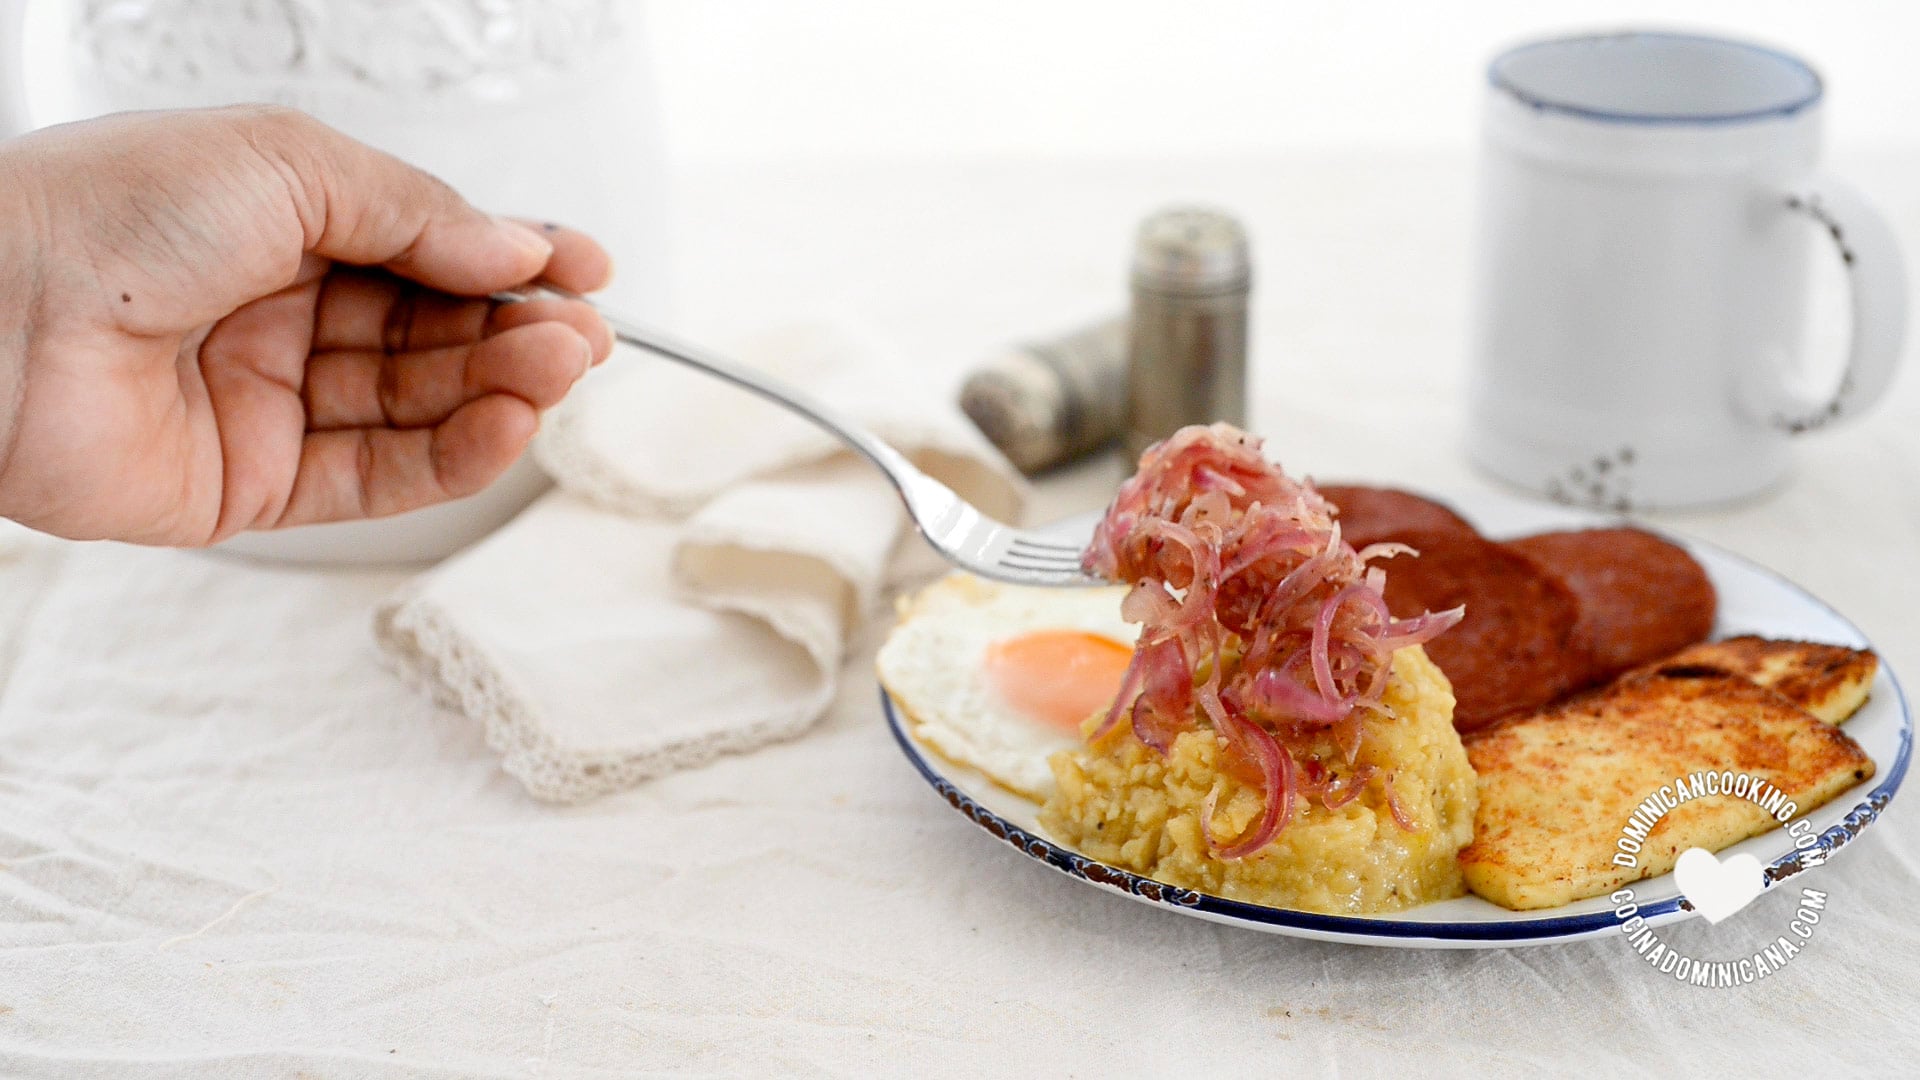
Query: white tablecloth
[{"x": 232, "y": 843}]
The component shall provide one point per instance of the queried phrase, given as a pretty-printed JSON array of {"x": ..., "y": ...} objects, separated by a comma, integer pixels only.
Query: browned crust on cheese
[
  {"x": 1556, "y": 787},
  {"x": 1829, "y": 681}
]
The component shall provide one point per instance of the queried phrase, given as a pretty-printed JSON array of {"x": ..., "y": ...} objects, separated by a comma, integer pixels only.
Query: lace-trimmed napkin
[{"x": 689, "y": 588}]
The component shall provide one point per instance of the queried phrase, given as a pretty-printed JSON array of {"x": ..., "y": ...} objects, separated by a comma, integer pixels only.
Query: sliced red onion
[
  {"x": 1347, "y": 735},
  {"x": 1400, "y": 817},
  {"x": 1420, "y": 629},
  {"x": 1129, "y": 686},
  {"x": 1148, "y": 603},
  {"x": 1384, "y": 550},
  {"x": 1323, "y": 630},
  {"x": 1346, "y": 789},
  {"x": 1156, "y": 727},
  {"x": 1296, "y": 585},
  {"x": 1241, "y": 571},
  {"x": 1277, "y": 696},
  {"x": 1266, "y": 535},
  {"x": 1208, "y": 478},
  {"x": 1207, "y": 694},
  {"x": 1276, "y": 780},
  {"x": 1167, "y": 679}
]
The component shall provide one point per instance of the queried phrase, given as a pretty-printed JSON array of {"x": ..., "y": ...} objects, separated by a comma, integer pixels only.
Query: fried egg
[{"x": 999, "y": 677}]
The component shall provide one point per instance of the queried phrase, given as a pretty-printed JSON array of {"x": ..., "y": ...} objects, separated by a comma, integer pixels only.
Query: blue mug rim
[{"x": 1815, "y": 92}]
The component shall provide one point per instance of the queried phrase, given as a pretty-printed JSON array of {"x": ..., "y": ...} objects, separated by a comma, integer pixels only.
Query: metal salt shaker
[
  {"x": 1187, "y": 347},
  {"x": 1046, "y": 403}
]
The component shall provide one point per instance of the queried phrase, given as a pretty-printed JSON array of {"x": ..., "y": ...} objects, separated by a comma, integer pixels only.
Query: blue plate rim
[{"x": 1522, "y": 930}]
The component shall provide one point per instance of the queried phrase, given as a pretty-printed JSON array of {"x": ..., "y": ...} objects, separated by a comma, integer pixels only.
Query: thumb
[{"x": 363, "y": 206}]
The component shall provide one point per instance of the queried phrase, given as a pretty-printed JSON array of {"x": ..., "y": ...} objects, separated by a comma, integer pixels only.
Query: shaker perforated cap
[{"x": 1191, "y": 249}]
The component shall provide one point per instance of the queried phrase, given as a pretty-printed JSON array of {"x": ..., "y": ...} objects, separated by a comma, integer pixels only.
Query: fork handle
[{"x": 890, "y": 461}]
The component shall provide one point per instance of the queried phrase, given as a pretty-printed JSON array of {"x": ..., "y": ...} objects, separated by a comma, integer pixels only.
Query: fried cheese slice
[
  {"x": 1558, "y": 786},
  {"x": 1829, "y": 681}
]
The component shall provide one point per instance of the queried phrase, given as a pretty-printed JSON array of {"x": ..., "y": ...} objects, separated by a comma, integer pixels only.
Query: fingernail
[
  {"x": 586, "y": 355},
  {"x": 525, "y": 239}
]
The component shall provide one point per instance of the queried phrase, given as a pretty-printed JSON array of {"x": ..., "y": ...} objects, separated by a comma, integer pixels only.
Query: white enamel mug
[{"x": 1649, "y": 208}]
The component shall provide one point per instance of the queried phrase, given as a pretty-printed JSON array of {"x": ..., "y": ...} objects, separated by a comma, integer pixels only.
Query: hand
[{"x": 236, "y": 319}]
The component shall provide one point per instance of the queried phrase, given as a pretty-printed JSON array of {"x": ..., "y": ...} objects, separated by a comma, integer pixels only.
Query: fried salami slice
[
  {"x": 1369, "y": 515},
  {"x": 1641, "y": 598},
  {"x": 1518, "y": 647}
]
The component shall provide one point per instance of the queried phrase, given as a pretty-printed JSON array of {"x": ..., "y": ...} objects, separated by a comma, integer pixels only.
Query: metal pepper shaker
[
  {"x": 1045, "y": 403},
  {"x": 1187, "y": 334}
]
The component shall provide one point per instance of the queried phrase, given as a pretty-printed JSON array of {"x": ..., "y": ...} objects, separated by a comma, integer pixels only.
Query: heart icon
[{"x": 1718, "y": 889}]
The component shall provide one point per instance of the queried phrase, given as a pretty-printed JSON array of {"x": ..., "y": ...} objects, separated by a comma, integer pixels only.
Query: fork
[{"x": 954, "y": 527}]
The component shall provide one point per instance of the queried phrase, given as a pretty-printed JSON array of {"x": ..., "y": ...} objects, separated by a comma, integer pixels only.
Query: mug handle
[{"x": 1877, "y": 282}]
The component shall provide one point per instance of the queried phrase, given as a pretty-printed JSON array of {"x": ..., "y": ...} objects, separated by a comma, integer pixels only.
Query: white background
[
  {"x": 1209, "y": 78},
  {"x": 772, "y": 110},
  {"x": 766, "y": 79},
  {"x": 243, "y": 848}
]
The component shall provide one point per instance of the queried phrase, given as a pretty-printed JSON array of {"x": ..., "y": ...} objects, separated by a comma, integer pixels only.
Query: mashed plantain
[{"x": 1122, "y": 803}]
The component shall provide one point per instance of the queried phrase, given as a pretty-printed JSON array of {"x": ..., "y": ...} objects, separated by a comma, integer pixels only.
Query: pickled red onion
[
  {"x": 1276, "y": 779},
  {"x": 1240, "y": 572}
]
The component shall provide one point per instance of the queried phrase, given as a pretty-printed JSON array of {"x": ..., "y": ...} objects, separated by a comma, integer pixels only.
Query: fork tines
[{"x": 1028, "y": 553}]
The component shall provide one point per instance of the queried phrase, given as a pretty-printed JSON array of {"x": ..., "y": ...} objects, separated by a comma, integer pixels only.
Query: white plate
[{"x": 1753, "y": 600}]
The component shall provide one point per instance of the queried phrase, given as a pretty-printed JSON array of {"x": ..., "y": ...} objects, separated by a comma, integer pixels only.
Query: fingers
[
  {"x": 372, "y": 310},
  {"x": 578, "y": 262},
  {"x": 374, "y": 472},
  {"x": 361, "y": 206},
  {"x": 580, "y": 317},
  {"x": 537, "y": 362}
]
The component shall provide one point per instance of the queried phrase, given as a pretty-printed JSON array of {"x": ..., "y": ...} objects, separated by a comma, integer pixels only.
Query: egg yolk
[{"x": 1057, "y": 677}]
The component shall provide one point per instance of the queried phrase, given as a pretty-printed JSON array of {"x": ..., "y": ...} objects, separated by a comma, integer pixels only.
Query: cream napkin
[
  {"x": 689, "y": 588},
  {"x": 14, "y": 539}
]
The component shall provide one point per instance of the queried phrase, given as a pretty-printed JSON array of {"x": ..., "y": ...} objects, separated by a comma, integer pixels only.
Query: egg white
[{"x": 934, "y": 666}]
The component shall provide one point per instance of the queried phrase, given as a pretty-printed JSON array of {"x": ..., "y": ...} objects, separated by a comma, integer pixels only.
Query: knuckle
[
  {"x": 366, "y": 465},
  {"x": 445, "y": 466},
  {"x": 435, "y": 186},
  {"x": 391, "y": 391},
  {"x": 260, "y": 118}
]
